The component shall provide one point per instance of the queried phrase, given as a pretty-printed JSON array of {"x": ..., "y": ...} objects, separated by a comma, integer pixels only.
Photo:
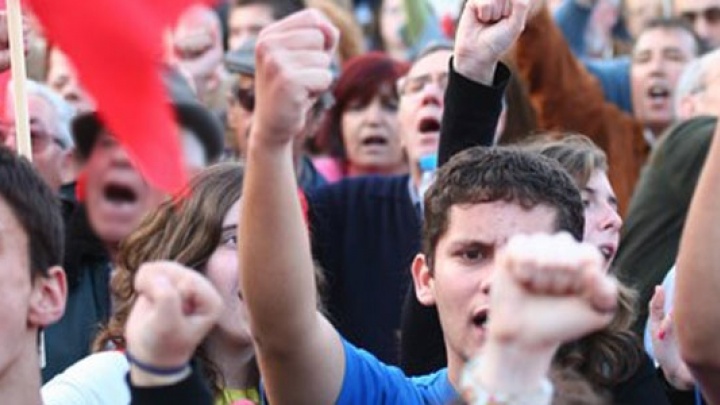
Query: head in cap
[{"x": 241, "y": 64}]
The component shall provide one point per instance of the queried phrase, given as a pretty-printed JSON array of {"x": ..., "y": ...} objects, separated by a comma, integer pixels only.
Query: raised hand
[
  {"x": 665, "y": 345},
  {"x": 175, "y": 309},
  {"x": 293, "y": 58},
  {"x": 549, "y": 290},
  {"x": 487, "y": 29}
]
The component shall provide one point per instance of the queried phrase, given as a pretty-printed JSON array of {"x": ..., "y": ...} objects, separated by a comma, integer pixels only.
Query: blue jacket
[{"x": 613, "y": 74}]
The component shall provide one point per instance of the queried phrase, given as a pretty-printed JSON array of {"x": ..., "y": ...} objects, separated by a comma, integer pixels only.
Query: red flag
[{"x": 116, "y": 47}]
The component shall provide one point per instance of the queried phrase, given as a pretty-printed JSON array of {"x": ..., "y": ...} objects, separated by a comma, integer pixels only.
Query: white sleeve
[{"x": 98, "y": 379}]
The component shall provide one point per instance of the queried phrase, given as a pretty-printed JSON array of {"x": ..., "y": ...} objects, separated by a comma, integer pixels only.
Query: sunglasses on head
[
  {"x": 710, "y": 14},
  {"x": 245, "y": 97}
]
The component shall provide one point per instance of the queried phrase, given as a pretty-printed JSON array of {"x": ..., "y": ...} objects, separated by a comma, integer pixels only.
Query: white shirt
[{"x": 98, "y": 379}]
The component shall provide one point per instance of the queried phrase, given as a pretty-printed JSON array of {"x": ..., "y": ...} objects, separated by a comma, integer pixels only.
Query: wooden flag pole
[{"x": 18, "y": 78}]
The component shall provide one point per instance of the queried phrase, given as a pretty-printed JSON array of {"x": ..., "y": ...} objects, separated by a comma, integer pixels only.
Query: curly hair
[{"x": 186, "y": 229}]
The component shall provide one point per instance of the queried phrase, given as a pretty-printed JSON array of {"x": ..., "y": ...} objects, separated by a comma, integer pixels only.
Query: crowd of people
[{"x": 389, "y": 202}]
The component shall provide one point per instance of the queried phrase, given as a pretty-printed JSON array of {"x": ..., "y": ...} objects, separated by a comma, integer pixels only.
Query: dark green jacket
[{"x": 655, "y": 219}]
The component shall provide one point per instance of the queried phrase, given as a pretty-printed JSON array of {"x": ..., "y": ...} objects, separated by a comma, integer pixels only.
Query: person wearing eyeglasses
[
  {"x": 51, "y": 140},
  {"x": 704, "y": 16}
]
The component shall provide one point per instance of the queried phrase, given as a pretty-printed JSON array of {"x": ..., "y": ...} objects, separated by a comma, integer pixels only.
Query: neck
[
  {"x": 397, "y": 52},
  {"x": 112, "y": 249},
  {"x": 455, "y": 366},
  {"x": 236, "y": 363},
  {"x": 657, "y": 130},
  {"x": 20, "y": 382},
  {"x": 415, "y": 175}
]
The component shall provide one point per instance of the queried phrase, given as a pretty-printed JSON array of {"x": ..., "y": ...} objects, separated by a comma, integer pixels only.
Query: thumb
[
  {"x": 164, "y": 298},
  {"x": 657, "y": 307},
  {"x": 666, "y": 326},
  {"x": 520, "y": 11}
]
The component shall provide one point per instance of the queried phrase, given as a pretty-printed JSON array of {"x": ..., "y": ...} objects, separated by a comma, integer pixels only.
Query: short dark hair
[
  {"x": 675, "y": 23},
  {"x": 482, "y": 175},
  {"x": 280, "y": 8},
  {"x": 36, "y": 208}
]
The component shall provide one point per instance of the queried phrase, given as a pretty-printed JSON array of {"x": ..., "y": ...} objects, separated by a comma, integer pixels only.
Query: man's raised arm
[{"x": 299, "y": 353}]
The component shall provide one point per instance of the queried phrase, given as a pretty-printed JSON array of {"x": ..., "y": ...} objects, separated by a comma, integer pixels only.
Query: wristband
[
  {"x": 477, "y": 394},
  {"x": 155, "y": 370}
]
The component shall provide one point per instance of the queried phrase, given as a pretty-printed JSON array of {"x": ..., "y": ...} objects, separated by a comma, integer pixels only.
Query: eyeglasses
[
  {"x": 40, "y": 139},
  {"x": 408, "y": 86},
  {"x": 245, "y": 97},
  {"x": 710, "y": 14}
]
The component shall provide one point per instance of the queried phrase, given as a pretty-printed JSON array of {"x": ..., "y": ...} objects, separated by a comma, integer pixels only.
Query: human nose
[
  {"x": 702, "y": 27},
  {"x": 373, "y": 113},
  {"x": 610, "y": 218},
  {"x": 486, "y": 282},
  {"x": 432, "y": 93},
  {"x": 118, "y": 156}
]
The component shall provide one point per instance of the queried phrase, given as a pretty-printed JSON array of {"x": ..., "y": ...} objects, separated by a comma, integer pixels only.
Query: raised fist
[
  {"x": 175, "y": 308},
  {"x": 293, "y": 58},
  {"x": 487, "y": 29},
  {"x": 548, "y": 290}
]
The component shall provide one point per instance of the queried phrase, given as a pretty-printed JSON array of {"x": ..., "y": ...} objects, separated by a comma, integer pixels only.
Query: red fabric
[
  {"x": 81, "y": 186},
  {"x": 305, "y": 207},
  {"x": 116, "y": 47},
  {"x": 447, "y": 23}
]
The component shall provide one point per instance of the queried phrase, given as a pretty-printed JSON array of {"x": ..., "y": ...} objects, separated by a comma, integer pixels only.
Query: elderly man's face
[{"x": 51, "y": 157}]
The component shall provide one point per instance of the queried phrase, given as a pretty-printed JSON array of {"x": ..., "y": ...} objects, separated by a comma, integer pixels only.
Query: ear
[
  {"x": 68, "y": 166},
  {"x": 686, "y": 108},
  {"x": 423, "y": 281},
  {"x": 47, "y": 300}
]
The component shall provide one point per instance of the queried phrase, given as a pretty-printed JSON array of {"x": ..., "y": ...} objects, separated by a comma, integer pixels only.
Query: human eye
[
  {"x": 472, "y": 254},
  {"x": 229, "y": 240}
]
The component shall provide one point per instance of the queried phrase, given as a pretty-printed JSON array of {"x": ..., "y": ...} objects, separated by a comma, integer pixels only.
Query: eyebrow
[
  {"x": 469, "y": 242},
  {"x": 228, "y": 228}
]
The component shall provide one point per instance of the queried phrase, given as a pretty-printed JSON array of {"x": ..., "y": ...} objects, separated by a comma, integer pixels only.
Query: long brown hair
[
  {"x": 186, "y": 229},
  {"x": 614, "y": 354}
]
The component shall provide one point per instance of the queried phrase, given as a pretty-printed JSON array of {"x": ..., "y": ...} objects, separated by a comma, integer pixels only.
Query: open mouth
[
  {"x": 659, "y": 92},
  {"x": 119, "y": 194},
  {"x": 608, "y": 252},
  {"x": 374, "y": 141},
  {"x": 480, "y": 319},
  {"x": 429, "y": 124}
]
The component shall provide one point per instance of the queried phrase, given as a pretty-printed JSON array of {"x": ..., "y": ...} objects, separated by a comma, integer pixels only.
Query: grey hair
[
  {"x": 64, "y": 111},
  {"x": 694, "y": 77},
  {"x": 432, "y": 47}
]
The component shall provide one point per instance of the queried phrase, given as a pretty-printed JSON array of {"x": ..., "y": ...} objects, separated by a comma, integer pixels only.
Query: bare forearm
[
  {"x": 698, "y": 277},
  {"x": 275, "y": 249}
]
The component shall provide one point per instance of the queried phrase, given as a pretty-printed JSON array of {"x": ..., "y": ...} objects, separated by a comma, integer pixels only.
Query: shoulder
[
  {"x": 368, "y": 380},
  {"x": 348, "y": 190},
  {"x": 98, "y": 379}
]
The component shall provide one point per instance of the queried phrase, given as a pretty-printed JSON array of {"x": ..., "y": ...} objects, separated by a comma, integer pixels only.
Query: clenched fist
[
  {"x": 175, "y": 308},
  {"x": 293, "y": 59},
  {"x": 549, "y": 290},
  {"x": 487, "y": 29}
]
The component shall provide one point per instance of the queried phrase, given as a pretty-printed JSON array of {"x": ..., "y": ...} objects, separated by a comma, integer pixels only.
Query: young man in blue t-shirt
[{"x": 481, "y": 199}]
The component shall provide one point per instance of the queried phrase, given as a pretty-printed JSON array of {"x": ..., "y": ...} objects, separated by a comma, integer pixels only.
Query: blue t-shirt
[{"x": 368, "y": 381}]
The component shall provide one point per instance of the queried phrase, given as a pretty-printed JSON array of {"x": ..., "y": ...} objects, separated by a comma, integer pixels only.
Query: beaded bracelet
[
  {"x": 479, "y": 395},
  {"x": 155, "y": 370}
]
